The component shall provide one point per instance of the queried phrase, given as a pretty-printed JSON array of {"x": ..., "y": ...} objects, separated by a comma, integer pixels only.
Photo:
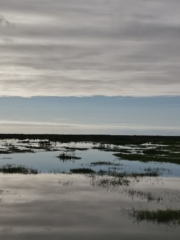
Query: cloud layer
[
  {"x": 92, "y": 47},
  {"x": 79, "y": 128}
]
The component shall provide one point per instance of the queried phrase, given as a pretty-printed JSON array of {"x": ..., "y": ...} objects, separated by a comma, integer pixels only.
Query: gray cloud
[
  {"x": 4, "y": 25},
  {"x": 85, "y": 48},
  {"x": 4, "y": 22}
]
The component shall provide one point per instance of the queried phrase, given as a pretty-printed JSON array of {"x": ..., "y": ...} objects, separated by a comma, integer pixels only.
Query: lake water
[
  {"x": 43, "y": 207},
  {"x": 69, "y": 207},
  {"x": 47, "y": 161}
]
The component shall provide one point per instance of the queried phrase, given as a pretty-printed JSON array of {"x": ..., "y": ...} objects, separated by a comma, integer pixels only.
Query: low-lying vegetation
[
  {"x": 108, "y": 182},
  {"x": 82, "y": 170},
  {"x": 65, "y": 156},
  {"x": 75, "y": 148},
  {"x": 113, "y": 179},
  {"x": 160, "y": 171},
  {"x": 65, "y": 183},
  {"x": 4, "y": 151},
  {"x": 104, "y": 139},
  {"x": 111, "y": 148},
  {"x": 125, "y": 174},
  {"x": 105, "y": 163},
  {"x": 143, "y": 195},
  {"x": 12, "y": 149},
  {"x": 159, "y": 216},
  {"x": 17, "y": 169},
  {"x": 148, "y": 157}
]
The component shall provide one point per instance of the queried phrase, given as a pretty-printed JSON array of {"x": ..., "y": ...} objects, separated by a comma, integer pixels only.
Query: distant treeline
[{"x": 106, "y": 139}]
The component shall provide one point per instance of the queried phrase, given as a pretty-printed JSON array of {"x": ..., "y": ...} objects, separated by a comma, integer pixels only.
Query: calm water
[
  {"x": 63, "y": 206},
  {"x": 41, "y": 207},
  {"x": 45, "y": 161}
]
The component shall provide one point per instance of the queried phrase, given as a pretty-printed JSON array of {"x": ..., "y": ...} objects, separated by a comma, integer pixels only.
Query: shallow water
[
  {"x": 46, "y": 161},
  {"x": 64, "y": 206},
  {"x": 44, "y": 207}
]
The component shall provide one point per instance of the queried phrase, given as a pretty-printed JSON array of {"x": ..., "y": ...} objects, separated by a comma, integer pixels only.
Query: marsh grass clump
[
  {"x": 159, "y": 171},
  {"x": 5, "y": 152},
  {"x": 29, "y": 147},
  {"x": 143, "y": 195},
  {"x": 113, "y": 179},
  {"x": 65, "y": 183},
  {"x": 75, "y": 148},
  {"x": 130, "y": 175},
  {"x": 158, "y": 154},
  {"x": 108, "y": 182},
  {"x": 109, "y": 179},
  {"x": 82, "y": 170},
  {"x": 13, "y": 149},
  {"x": 159, "y": 216},
  {"x": 17, "y": 169},
  {"x": 146, "y": 174},
  {"x": 103, "y": 147},
  {"x": 105, "y": 163},
  {"x": 139, "y": 157},
  {"x": 65, "y": 156},
  {"x": 110, "y": 148}
]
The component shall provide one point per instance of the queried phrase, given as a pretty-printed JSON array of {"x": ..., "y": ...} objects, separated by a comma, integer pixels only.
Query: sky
[{"x": 90, "y": 66}]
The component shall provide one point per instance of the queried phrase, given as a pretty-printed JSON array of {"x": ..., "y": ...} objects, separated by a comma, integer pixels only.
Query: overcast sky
[{"x": 50, "y": 49}]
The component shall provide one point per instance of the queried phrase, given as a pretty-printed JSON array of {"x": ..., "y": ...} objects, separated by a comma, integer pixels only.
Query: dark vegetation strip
[
  {"x": 109, "y": 148},
  {"x": 114, "y": 173},
  {"x": 148, "y": 158},
  {"x": 143, "y": 195},
  {"x": 167, "y": 216},
  {"x": 65, "y": 156},
  {"x": 125, "y": 174},
  {"x": 105, "y": 163},
  {"x": 157, "y": 153},
  {"x": 17, "y": 169},
  {"x": 13, "y": 149},
  {"x": 75, "y": 148},
  {"x": 109, "y": 179},
  {"x": 4, "y": 152},
  {"x": 82, "y": 170},
  {"x": 107, "y": 139},
  {"x": 107, "y": 182}
]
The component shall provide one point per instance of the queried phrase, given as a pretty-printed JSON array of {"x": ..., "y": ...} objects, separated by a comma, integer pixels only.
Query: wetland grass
[
  {"x": 82, "y": 170},
  {"x": 65, "y": 156},
  {"x": 131, "y": 175},
  {"x": 113, "y": 179},
  {"x": 12, "y": 169},
  {"x": 143, "y": 195},
  {"x": 149, "y": 158},
  {"x": 109, "y": 148},
  {"x": 5, "y": 152},
  {"x": 12, "y": 149},
  {"x": 75, "y": 148},
  {"x": 104, "y": 139},
  {"x": 159, "y": 216},
  {"x": 108, "y": 182},
  {"x": 105, "y": 163}
]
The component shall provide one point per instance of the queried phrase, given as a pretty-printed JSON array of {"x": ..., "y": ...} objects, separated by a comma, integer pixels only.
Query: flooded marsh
[
  {"x": 43, "y": 155},
  {"x": 51, "y": 186}
]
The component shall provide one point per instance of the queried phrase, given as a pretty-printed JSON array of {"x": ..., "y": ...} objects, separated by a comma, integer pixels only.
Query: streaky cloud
[{"x": 87, "y": 48}]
